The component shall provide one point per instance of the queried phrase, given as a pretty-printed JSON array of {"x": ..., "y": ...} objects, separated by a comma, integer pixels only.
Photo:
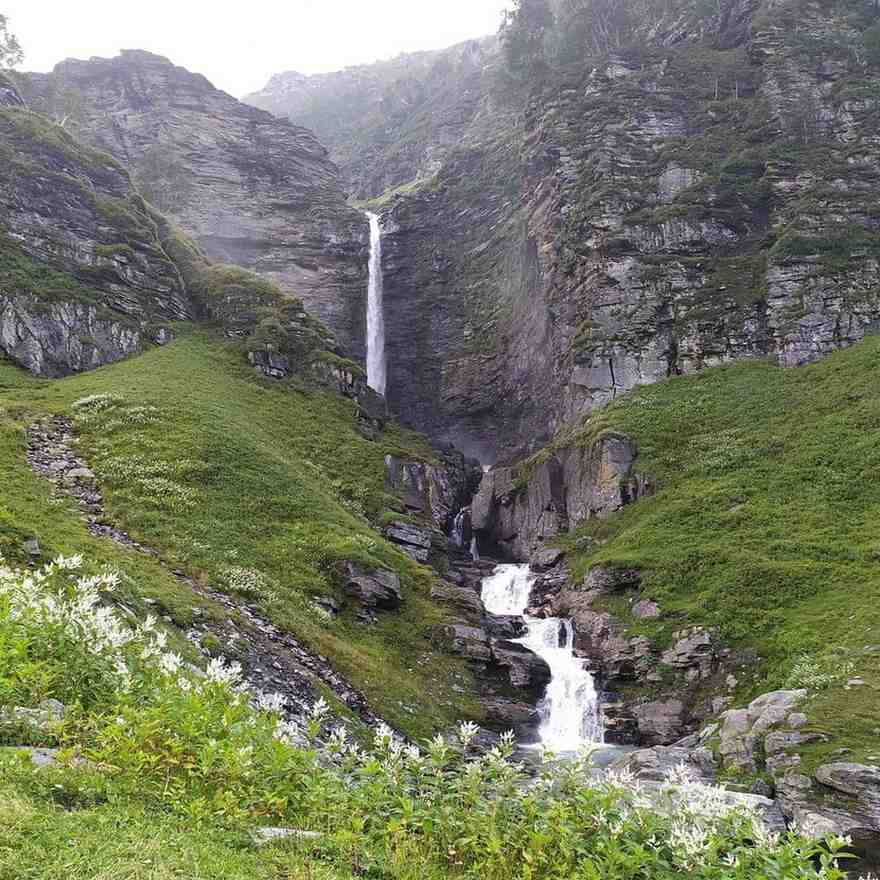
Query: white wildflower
[
  {"x": 467, "y": 730},
  {"x": 319, "y": 709},
  {"x": 271, "y": 702},
  {"x": 218, "y": 672}
]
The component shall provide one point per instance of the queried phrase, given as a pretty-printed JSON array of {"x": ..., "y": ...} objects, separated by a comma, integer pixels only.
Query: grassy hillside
[
  {"x": 248, "y": 485},
  {"x": 766, "y": 524}
]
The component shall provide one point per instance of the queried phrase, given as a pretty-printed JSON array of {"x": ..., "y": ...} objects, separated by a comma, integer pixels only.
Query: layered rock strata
[{"x": 252, "y": 190}]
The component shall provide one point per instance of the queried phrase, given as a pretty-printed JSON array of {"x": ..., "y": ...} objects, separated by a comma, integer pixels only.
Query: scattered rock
[
  {"x": 265, "y": 836},
  {"x": 645, "y": 609},
  {"x": 546, "y": 558},
  {"x": 378, "y": 588}
]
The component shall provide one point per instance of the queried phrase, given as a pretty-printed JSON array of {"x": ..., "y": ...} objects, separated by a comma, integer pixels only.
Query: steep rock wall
[
  {"x": 707, "y": 194},
  {"x": 390, "y": 123},
  {"x": 84, "y": 279},
  {"x": 250, "y": 189}
]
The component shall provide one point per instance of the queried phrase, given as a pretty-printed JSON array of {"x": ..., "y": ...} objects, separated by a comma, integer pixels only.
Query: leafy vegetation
[
  {"x": 162, "y": 773},
  {"x": 764, "y": 524}
]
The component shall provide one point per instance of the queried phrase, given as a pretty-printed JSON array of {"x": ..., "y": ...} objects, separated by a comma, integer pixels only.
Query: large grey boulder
[
  {"x": 744, "y": 731},
  {"x": 414, "y": 540},
  {"x": 660, "y": 721},
  {"x": 857, "y": 780},
  {"x": 375, "y": 588},
  {"x": 471, "y": 642},
  {"x": 655, "y": 764},
  {"x": 28, "y": 722}
]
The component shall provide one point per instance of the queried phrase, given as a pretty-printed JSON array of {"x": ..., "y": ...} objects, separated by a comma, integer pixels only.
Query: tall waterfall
[
  {"x": 569, "y": 710},
  {"x": 375, "y": 312}
]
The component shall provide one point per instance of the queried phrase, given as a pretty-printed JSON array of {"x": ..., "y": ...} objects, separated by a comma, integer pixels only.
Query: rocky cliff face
[
  {"x": 84, "y": 279},
  {"x": 250, "y": 189},
  {"x": 705, "y": 194},
  {"x": 391, "y": 123}
]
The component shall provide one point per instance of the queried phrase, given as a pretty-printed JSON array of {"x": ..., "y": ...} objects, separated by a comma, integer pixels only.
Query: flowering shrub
[
  {"x": 250, "y": 582},
  {"x": 200, "y": 745},
  {"x": 818, "y": 674}
]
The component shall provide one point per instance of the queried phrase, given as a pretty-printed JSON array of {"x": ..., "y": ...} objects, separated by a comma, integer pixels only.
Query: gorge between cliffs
[{"x": 464, "y": 464}]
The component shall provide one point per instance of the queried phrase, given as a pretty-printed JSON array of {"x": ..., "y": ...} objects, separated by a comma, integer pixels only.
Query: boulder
[
  {"x": 660, "y": 721},
  {"x": 655, "y": 764},
  {"x": 526, "y": 669},
  {"x": 504, "y": 626},
  {"x": 546, "y": 558},
  {"x": 470, "y": 641},
  {"x": 692, "y": 650},
  {"x": 509, "y": 713},
  {"x": 645, "y": 609},
  {"x": 860, "y": 781},
  {"x": 462, "y": 599},
  {"x": 610, "y": 579},
  {"x": 264, "y": 836},
  {"x": 377, "y": 588},
  {"x": 40, "y": 720}
]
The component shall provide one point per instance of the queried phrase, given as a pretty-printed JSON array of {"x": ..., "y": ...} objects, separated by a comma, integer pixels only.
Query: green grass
[
  {"x": 219, "y": 469},
  {"x": 45, "y": 841},
  {"x": 766, "y": 522}
]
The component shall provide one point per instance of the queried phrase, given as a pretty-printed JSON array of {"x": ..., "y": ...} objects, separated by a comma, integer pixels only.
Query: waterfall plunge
[
  {"x": 375, "y": 313},
  {"x": 569, "y": 710}
]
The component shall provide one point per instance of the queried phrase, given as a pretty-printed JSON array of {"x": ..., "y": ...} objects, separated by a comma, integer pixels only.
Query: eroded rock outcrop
[
  {"x": 252, "y": 190},
  {"x": 84, "y": 278},
  {"x": 518, "y": 509}
]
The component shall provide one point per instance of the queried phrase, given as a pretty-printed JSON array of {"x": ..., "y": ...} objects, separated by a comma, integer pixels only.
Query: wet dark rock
[
  {"x": 526, "y": 670},
  {"x": 500, "y": 626},
  {"x": 437, "y": 491}
]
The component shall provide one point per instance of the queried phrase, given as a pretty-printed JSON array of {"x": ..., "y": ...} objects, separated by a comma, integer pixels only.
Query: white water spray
[
  {"x": 375, "y": 311},
  {"x": 569, "y": 710}
]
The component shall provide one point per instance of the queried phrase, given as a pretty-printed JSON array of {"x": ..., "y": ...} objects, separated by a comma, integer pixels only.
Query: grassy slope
[
  {"x": 766, "y": 523},
  {"x": 231, "y": 471},
  {"x": 43, "y": 841}
]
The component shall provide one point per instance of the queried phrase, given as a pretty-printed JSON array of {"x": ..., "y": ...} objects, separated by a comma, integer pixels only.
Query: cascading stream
[
  {"x": 569, "y": 710},
  {"x": 376, "y": 376}
]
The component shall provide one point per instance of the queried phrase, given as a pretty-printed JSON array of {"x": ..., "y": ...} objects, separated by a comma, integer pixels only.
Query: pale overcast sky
[{"x": 238, "y": 46}]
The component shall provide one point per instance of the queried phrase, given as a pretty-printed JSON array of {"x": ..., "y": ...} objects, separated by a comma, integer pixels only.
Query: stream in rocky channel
[{"x": 569, "y": 710}]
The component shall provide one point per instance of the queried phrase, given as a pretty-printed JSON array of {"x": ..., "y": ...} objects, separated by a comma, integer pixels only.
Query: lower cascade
[{"x": 569, "y": 711}]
